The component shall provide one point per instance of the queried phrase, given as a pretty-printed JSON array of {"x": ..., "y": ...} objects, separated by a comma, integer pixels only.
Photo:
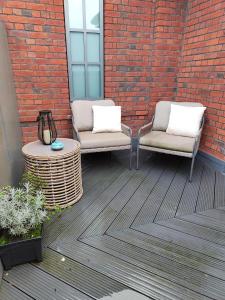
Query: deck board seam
[
  {"x": 182, "y": 246},
  {"x": 194, "y": 222},
  {"x": 82, "y": 232},
  {"x": 178, "y": 169},
  {"x": 199, "y": 188},
  {"x": 115, "y": 237},
  {"x": 139, "y": 267},
  {"x": 13, "y": 285},
  {"x": 136, "y": 216},
  {"x": 127, "y": 201},
  {"x": 82, "y": 211}
]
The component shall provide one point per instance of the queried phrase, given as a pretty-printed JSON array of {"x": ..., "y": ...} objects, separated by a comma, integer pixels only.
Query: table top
[{"x": 37, "y": 149}]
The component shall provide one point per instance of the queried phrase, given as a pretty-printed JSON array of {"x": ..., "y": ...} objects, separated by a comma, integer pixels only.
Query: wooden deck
[{"x": 148, "y": 230}]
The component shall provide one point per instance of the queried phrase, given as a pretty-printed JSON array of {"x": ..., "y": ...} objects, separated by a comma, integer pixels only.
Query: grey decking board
[
  {"x": 72, "y": 213},
  {"x": 217, "y": 214},
  {"x": 78, "y": 275},
  {"x": 130, "y": 275},
  {"x": 1, "y": 271},
  {"x": 190, "y": 194},
  {"x": 206, "y": 195},
  {"x": 221, "y": 208},
  {"x": 197, "y": 230},
  {"x": 184, "y": 240},
  {"x": 89, "y": 180},
  {"x": 130, "y": 210},
  {"x": 105, "y": 218},
  {"x": 206, "y": 221},
  {"x": 156, "y": 197},
  {"x": 219, "y": 190},
  {"x": 40, "y": 285},
  {"x": 59, "y": 222},
  {"x": 110, "y": 188},
  {"x": 169, "y": 269},
  {"x": 171, "y": 201},
  {"x": 9, "y": 292},
  {"x": 173, "y": 251},
  {"x": 77, "y": 227}
]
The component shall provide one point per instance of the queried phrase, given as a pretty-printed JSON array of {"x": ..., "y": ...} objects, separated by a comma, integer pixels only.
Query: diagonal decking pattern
[{"x": 149, "y": 230}]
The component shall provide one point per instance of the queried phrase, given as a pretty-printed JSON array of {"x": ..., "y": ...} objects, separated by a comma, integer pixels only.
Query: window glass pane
[
  {"x": 77, "y": 46},
  {"x": 92, "y": 14},
  {"x": 75, "y": 13},
  {"x": 93, "y": 47},
  {"x": 78, "y": 77},
  {"x": 94, "y": 81}
]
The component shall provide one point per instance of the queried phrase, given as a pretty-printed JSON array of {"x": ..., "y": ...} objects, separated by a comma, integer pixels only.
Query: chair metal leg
[
  {"x": 137, "y": 157},
  {"x": 192, "y": 167},
  {"x": 130, "y": 163}
]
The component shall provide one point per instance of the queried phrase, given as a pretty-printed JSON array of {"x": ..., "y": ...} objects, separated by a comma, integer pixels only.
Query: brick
[
  {"x": 202, "y": 47},
  {"x": 154, "y": 50}
]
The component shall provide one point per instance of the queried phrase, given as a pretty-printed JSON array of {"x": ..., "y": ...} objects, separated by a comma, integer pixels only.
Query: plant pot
[{"x": 21, "y": 252}]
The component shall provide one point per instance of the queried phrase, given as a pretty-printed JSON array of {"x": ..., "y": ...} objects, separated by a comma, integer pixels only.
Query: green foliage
[
  {"x": 6, "y": 238},
  {"x": 56, "y": 211},
  {"x": 21, "y": 210},
  {"x": 36, "y": 183}
]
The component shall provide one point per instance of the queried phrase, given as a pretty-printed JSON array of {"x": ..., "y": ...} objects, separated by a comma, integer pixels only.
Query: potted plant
[{"x": 22, "y": 215}]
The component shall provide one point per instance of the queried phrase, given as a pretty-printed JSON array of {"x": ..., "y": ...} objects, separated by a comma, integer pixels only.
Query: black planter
[{"x": 21, "y": 252}]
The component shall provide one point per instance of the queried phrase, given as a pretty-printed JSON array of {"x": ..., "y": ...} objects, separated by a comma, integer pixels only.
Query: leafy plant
[
  {"x": 36, "y": 183},
  {"x": 21, "y": 209}
]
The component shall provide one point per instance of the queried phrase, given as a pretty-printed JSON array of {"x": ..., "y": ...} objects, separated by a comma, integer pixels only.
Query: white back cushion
[
  {"x": 185, "y": 120},
  {"x": 83, "y": 114},
  {"x": 106, "y": 118},
  {"x": 162, "y": 113}
]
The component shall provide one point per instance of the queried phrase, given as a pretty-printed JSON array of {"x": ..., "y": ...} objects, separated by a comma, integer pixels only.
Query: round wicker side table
[{"x": 61, "y": 170}]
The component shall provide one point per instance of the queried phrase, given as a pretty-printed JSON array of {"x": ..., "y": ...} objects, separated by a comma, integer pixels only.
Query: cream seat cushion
[
  {"x": 101, "y": 140},
  {"x": 160, "y": 139}
]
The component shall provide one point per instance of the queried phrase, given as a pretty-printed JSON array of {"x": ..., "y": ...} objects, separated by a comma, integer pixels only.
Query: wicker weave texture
[{"x": 61, "y": 172}]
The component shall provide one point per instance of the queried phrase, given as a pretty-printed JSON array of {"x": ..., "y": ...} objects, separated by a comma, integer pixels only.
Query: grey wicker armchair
[
  {"x": 98, "y": 142},
  {"x": 153, "y": 135}
]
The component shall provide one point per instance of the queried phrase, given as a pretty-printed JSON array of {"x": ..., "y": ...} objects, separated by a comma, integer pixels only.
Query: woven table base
[{"x": 61, "y": 171}]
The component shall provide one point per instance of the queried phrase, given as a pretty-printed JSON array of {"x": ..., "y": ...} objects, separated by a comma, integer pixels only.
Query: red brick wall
[
  {"x": 128, "y": 40},
  {"x": 142, "y": 47},
  {"x": 201, "y": 74},
  {"x": 166, "y": 49},
  {"x": 154, "y": 50},
  {"x": 36, "y": 39}
]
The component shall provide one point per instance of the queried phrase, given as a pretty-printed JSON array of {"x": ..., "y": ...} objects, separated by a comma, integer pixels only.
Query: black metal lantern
[{"x": 47, "y": 133}]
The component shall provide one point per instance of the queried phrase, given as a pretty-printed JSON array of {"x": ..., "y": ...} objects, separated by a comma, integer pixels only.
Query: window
[{"x": 84, "y": 31}]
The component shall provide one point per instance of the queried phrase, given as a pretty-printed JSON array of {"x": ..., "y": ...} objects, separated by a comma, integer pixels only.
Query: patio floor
[{"x": 148, "y": 230}]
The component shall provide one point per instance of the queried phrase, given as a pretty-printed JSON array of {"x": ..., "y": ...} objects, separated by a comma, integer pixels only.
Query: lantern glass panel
[{"x": 47, "y": 133}]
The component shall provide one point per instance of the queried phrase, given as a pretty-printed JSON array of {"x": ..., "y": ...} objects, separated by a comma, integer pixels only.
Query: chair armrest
[
  {"x": 145, "y": 129},
  {"x": 126, "y": 130},
  {"x": 75, "y": 131},
  {"x": 198, "y": 137}
]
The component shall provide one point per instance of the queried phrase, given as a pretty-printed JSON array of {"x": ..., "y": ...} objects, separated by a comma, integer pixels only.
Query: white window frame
[{"x": 85, "y": 31}]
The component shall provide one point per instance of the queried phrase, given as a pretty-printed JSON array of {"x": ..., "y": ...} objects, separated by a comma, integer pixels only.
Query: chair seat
[
  {"x": 160, "y": 139},
  {"x": 102, "y": 140}
]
